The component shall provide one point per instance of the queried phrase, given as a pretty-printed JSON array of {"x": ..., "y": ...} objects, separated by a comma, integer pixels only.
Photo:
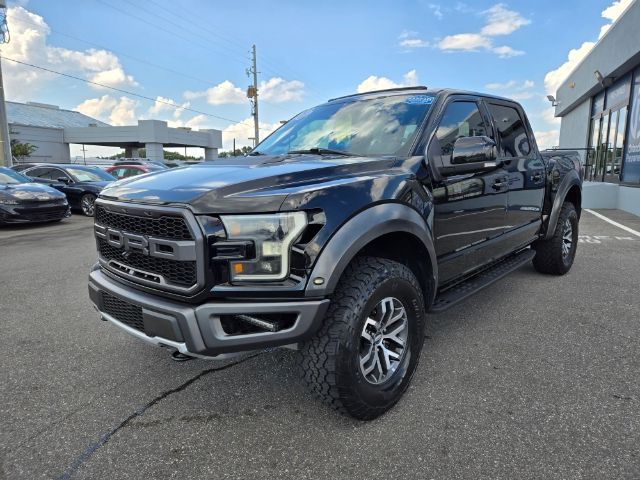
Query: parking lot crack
[{"x": 104, "y": 439}]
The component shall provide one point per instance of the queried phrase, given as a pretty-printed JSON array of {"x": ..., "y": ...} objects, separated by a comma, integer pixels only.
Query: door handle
[
  {"x": 497, "y": 185},
  {"x": 537, "y": 177}
]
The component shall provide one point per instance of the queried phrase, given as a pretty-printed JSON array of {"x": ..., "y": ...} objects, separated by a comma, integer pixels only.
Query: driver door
[{"x": 470, "y": 209}]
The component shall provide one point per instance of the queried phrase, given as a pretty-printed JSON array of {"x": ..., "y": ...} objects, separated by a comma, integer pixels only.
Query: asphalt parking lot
[{"x": 534, "y": 377}]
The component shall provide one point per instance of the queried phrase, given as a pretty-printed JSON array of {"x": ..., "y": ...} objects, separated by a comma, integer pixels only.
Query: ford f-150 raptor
[{"x": 337, "y": 236}]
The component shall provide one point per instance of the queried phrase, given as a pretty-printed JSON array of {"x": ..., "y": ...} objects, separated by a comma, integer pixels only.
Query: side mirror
[
  {"x": 473, "y": 150},
  {"x": 65, "y": 180},
  {"x": 471, "y": 155}
]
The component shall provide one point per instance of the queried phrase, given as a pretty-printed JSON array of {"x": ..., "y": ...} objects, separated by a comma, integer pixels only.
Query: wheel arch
[
  {"x": 570, "y": 189},
  {"x": 393, "y": 231}
]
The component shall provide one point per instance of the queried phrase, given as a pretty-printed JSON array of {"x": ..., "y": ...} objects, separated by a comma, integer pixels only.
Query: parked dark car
[
  {"x": 19, "y": 167},
  {"x": 22, "y": 201},
  {"x": 126, "y": 171},
  {"x": 81, "y": 184},
  {"x": 355, "y": 223},
  {"x": 157, "y": 163}
]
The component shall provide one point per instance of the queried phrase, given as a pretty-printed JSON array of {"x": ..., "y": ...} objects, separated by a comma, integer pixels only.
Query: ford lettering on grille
[{"x": 146, "y": 259}]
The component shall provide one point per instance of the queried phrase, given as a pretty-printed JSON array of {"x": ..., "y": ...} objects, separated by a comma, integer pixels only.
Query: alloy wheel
[
  {"x": 567, "y": 238},
  {"x": 383, "y": 341},
  {"x": 88, "y": 205}
]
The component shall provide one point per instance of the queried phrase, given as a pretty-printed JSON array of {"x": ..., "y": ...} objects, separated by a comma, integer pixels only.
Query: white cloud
[
  {"x": 279, "y": 90},
  {"x": 617, "y": 8},
  {"x": 500, "y": 21},
  {"x": 161, "y": 107},
  {"x": 436, "y": 10},
  {"x": 29, "y": 43},
  {"x": 507, "y": 52},
  {"x": 464, "y": 41},
  {"x": 224, "y": 93},
  {"x": 555, "y": 78},
  {"x": 547, "y": 139},
  {"x": 274, "y": 90},
  {"x": 511, "y": 85},
  {"x": 408, "y": 40},
  {"x": 116, "y": 111},
  {"x": 413, "y": 43},
  {"x": 243, "y": 131},
  {"x": 410, "y": 79}
]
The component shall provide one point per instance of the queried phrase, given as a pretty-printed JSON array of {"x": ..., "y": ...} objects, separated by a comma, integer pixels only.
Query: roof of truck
[{"x": 421, "y": 90}]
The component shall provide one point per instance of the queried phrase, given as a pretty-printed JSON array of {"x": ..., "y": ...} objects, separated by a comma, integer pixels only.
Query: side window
[
  {"x": 460, "y": 119},
  {"x": 47, "y": 173},
  {"x": 513, "y": 135},
  {"x": 36, "y": 172},
  {"x": 118, "y": 172}
]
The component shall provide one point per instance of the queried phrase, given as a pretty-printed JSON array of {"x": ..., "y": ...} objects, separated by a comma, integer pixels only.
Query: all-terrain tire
[
  {"x": 555, "y": 255},
  {"x": 330, "y": 362}
]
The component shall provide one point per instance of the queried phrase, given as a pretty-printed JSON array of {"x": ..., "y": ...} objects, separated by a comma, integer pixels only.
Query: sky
[{"x": 194, "y": 54}]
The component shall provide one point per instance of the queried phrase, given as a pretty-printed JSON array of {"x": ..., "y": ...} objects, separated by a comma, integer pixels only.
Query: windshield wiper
[
  {"x": 255, "y": 154},
  {"x": 321, "y": 151}
]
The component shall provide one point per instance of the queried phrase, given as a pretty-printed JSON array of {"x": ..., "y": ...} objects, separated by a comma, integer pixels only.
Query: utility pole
[
  {"x": 252, "y": 93},
  {"x": 5, "y": 145}
]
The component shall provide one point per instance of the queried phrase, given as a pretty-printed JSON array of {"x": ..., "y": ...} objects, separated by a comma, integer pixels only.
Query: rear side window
[
  {"x": 46, "y": 172},
  {"x": 513, "y": 136},
  {"x": 460, "y": 119}
]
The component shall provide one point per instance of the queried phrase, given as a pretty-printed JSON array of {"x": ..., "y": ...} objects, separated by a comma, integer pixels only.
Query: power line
[
  {"x": 123, "y": 54},
  {"x": 120, "y": 53},
  {"x": 193, "y": 22},
  {"x": 133, "y": 94},
  {"x": 156, "y": 26}
]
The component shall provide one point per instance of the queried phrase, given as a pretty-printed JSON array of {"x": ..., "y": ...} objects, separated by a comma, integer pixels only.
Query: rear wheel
[
  {"x": 87, "y": 204},
  {"x": 363, "y": 357},
  {"x": 556, "y": 254}
]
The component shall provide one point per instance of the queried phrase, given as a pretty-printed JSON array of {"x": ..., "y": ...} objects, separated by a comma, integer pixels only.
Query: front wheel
[
  {"x": 362, "y": 359},
  {"x": 556, "y": 254},
  {"x": 87, "y": 204}
]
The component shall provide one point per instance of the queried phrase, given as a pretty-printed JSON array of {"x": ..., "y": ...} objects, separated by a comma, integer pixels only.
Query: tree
[
  {"x": 239, "y": 152},
  {"x": 22, "y": 150}
]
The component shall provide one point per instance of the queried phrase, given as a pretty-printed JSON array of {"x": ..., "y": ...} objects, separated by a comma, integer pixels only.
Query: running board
[{"x": 486, "y": 277}]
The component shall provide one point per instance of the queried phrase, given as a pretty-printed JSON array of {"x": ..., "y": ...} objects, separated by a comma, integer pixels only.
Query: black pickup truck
[{"x": 338, "y": 236}]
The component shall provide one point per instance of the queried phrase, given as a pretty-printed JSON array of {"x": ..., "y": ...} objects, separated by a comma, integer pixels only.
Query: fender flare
[
  {"x": 360, "y": 230},
  {"x": 570, "y": 180}
]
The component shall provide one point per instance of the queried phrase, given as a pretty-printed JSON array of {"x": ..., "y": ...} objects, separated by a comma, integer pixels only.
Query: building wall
[
  {"x": 615, "y": 53},
  {"x": 50, "y": 142},
  {"x": 574, "y": 128}
]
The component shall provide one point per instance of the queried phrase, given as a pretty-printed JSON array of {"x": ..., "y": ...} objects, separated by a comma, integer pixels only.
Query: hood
[
  {"x": 30, "y": 191},
  {"x": 249, "y": 184},
  {"x": 99, "y": 185}
]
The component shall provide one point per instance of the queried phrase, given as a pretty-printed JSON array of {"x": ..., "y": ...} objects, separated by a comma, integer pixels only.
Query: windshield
[
  {"x": 371, "y": 127},
  {"x": 89, "y": 175},
  {"x": 8, "y": 176}
]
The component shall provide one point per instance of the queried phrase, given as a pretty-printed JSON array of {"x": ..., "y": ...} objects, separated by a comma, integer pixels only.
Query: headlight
[
  {"x": 273, "y": 235},
  {"x": 8, "y": 201}
]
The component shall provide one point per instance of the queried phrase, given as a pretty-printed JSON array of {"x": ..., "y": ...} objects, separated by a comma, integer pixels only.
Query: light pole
[{"x": 5, "y": 145}]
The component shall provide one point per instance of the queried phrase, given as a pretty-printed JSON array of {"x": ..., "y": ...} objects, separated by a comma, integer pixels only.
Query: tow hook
[{"x": 177, "y": 356}]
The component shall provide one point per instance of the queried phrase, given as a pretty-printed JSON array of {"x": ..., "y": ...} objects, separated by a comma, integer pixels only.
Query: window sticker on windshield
[{"x": 419, "y": 100}]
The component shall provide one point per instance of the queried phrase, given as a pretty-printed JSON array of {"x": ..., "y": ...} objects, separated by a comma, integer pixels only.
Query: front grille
[
  {"x": 43, "y": 214},
  {"x": 174, "y": 228},
  {"x": 183, "y": 274},
  {"x": 130, "y": 315}
]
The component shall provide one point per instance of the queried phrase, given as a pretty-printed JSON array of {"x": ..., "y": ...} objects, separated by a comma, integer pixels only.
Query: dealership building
[
  {"x": 52, "y": 129},
  {"x": 599, "y": 107}
]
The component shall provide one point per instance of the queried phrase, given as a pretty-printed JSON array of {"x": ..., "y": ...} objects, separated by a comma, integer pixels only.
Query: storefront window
[{"x": 631, "y": 166}]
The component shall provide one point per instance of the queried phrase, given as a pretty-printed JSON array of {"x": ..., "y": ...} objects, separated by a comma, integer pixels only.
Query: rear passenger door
[
  {"x": 525, "y": 168},
  {"x": 470, "y": 209}
]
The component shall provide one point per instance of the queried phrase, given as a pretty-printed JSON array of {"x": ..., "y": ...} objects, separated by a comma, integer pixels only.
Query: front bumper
[
  {"x": 47, "y": 212},
  {"x": 196, "y": 330}
]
